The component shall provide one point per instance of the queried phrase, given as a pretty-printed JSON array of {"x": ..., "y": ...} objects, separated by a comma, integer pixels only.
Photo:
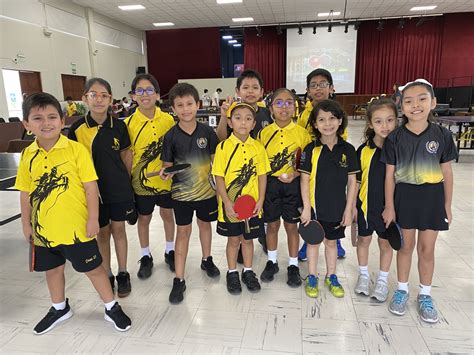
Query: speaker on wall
[{"x": 140, "y": 70}]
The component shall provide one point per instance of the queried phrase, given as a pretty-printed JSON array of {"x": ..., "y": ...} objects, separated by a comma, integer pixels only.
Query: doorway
[{"x": 73, "y": 85}]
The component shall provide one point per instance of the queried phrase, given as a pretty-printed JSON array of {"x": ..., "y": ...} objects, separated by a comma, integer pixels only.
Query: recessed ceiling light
[
  {"x": 324, "y": 14},
  {"x": 242, "y": 19},
  {"x": 232, "y": 41},
  {"x": 226, "y": 37},
  {"x": 163, "y": 24},
  {"x": 424, "y": 8},
  {"x": 131, "y": 7},
  {"x": 228, "y": 1},
  {"x": 237, "y": 45}
]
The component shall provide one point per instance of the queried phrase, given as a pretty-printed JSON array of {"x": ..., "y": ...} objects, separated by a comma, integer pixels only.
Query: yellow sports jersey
[
  {"x": 240, "y": 164},
  {"x": 304, "y": 118},
  {"x": 54, "y": 181},
  {"x": 281, "y": 145},
  {"x": 147, "y": 137},
  {"x": 71, "y": 108}
]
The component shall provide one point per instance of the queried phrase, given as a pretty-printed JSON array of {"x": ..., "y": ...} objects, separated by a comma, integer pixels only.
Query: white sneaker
[
  {"x": 362, "y": 286},
  {"x": 380, "y": 291}
]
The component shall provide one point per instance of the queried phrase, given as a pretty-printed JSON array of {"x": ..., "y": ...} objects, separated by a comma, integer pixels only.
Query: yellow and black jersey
[
  {"x": 197, "y": 149},
  {"x": 71, "y": 109},
  {"x": 371, "y": 177},
  {"x": 240, "y": 164},
  {"x": 105, "y": 142},
  {"x": 146, "y": 136},
  {"x": 263, "y": 119},
  {"x": 54, "y": 181},
  {"x": 417, "y": 157},
  {"x": 329, "y": 172},
  {"x": 281, "y": 145}
]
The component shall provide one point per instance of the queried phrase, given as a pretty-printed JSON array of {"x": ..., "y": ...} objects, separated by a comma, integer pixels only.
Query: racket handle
[
  {"x": 32, "y": 254},
  {"x": 153, "y": 173},
  {"x": 247, "y": 226}
]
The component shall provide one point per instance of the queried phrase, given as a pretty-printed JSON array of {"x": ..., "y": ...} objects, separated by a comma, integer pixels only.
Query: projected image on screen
[{"x": 334, "y": 51}]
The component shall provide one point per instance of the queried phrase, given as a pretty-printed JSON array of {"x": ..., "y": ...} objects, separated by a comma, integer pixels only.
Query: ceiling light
[
  {"x": 330, "y": 27},
  {"x": 423, "y": 8},
  {"x": 163, "y": 24},
  {"x": 325, "y": 14},
  {"x": 237, "y": 45},
  {"x": 131, "y": 7},
  {"x": 228, "y": 1},
  {"x": 346, "y": 28},
  {"x": 242, "y": 19},
  {"x": 232, "y": 41},
  {"x": 226, "y": 37}
]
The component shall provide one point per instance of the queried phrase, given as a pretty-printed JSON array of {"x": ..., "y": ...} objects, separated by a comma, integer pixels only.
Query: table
[
  {"x": 8, "y": 169},
  {"x": 465, "y": 125}
]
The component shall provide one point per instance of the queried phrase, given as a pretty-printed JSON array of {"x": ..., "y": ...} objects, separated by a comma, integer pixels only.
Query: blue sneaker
[
  {"x": 427, "y": 309},
  {"x": 341, "y": 253},
  {"x": 302, "y": 253},
  {"x": 398, "y": 303}
]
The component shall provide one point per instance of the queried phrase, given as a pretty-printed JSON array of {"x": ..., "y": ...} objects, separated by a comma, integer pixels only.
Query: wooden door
[
  {"x": 30, "y": 82},
  {"x": 73, "y": 85}
]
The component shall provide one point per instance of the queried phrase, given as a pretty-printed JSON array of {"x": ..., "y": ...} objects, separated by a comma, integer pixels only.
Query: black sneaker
[
  {"x": 263, "y": 242},
  {"x": 176, "y": 295},
  {"x": 131, "y": 216},
  {"x": 240, "y": 257},
  {"x": 146, "y": 264},
  {"x": 169, "y": 259},
  {"x": 52, "y": 319},
  {"x": 250, "y": 280},
  {"x": 271, "y": 269},
  {"x": 124, "y": 287},
  {"x": 210, "y": 268},
  {"x": 121, "y": 321},
  {"x": 233, "y": 283},
  {"x": 112, "y": 282},
  {"x": 294, "y": 278}
]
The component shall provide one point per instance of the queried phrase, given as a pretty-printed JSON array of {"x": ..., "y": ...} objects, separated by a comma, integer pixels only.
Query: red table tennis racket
[
  {"x": 296, "y": 159},
  {"x": 243, "y": 207}
]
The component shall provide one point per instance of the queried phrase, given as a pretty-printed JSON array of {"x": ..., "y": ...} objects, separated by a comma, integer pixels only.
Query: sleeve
[
  {"x": 353, "y": 162},
  {"x": 125, "y": 142},
  {"x": 23, "y": 177},
  {"x": 359, "y": 153},
  {"x": 388, "y": 151},
  {"x": 213, "y": 141},
  {"x": 85, "y": 166},
  {"x": 72, "y": 133},
  {"x": 306, "y": 157},
  {"x": 450, "y": 151},
  {"x": 263, "y": 166},
  {"x": 218, "y": 166},
  {"x": 167, "y": 152}
]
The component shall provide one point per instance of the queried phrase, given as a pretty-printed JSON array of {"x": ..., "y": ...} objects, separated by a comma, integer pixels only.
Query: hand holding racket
[
  {"x": 168, "y": 172},
  {"x": 244, "y": 207}
]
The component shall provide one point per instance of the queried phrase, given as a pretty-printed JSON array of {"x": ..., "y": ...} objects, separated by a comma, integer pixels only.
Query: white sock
[
  {"x": 383, "y": 276},
  {"x": 403, "y": 286},
  {"x": 233, "y": 270},
  {"x": 292, "y": 261},
  {"x": 272, "y": 255},
  {"x": 169, "y": 247},
  {"x": 146, "y": 251},
  {"x": 247, "y": 268},
  {"x": 60, "y": 306},
  {"x": 364, "y": 270},
  {"x": 109, "y": 305},
  {"x": 425, "y": 290}
]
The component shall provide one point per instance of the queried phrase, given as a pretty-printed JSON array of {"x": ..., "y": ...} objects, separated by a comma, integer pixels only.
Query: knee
[
  {"x": 144, "y": 219},
  {"x": 233, "y": 242},
  {"x": 364, "y": 242},
  {"x": 408, "y": 246},
  {"x": 167, "y": 215},
  {"x": 273, "y": 227},
  {"x": 329, "y": 243},
  {"x": 202, "y": 225}
]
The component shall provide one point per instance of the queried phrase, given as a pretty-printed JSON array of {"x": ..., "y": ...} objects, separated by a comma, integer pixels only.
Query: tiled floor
[{"x": 276, "y": 320}]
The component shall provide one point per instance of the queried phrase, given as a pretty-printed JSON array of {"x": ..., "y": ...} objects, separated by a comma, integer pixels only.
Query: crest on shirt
[
  {"x": 343, "y": 162},
  {"x": 202, "y": 142},
  {"x": 265, "y": 123},
  {"x": 116, "y": 145},
  {"x": 432, "y": 147}
]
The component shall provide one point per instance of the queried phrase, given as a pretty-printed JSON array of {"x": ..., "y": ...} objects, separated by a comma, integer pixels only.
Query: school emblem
[
  {"x": 202, "y": 142},
  {"x": 116, "y": 145},
  {"x": 343, "y": 162},
  {"x": 432, "y": 147},
  {"x": 265, "y": 123}
]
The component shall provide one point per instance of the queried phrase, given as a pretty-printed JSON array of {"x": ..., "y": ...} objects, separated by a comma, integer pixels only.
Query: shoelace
[
  {"x": 311, "y": 280},
  {"x": 426, "y": 303},
  {"x": 334, "y": 281},
  {"x": 398, "y": 297}
]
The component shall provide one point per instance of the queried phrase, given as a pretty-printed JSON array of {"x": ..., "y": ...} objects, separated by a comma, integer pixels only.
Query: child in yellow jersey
[
  {"x": 281, "y": 140},
  {"x": 147, "y": 127},
  {"x": 59, "y": 210},
  {"x": 240, "y": 168},
  {"x": 71, "y": 108}
]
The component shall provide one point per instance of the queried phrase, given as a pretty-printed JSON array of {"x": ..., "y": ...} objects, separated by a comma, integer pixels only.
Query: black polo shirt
[
  {"x": 196, "y": 149},
  {"x": 263, "y": 119},
  {"x": 105, "y": 142},
  {"x": 329, "y": 172},
  {"x": 371, "y": 177}
]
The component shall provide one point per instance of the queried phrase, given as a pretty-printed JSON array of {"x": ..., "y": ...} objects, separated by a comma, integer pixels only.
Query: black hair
[
  {"x": 328, "y": 106},
  {"x": 374, "y": 105},
  {"x": 124, "y": 98},
  {"x": 249, "y": 73},
  {"x": 41, "y": 100},
  {"x": 316, "y": 72},
  {"x": 219, "y": 90},
  {"x": 430, "y": 90},
  {"x": 244, "y": 105},
  {"x": 181, "y": 90},
  {"x": 148, "y": 77},
  {"x": 280, "y": 90},
  {"x": 100, "y": 81},
  {"x": 68, "y": 98},
  {"x": 205, "y": 91}
]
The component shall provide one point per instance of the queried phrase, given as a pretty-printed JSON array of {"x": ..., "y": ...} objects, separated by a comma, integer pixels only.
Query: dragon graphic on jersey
[
  {"x": 150, "y": 154},
  {"x": 279, "y": 160},
  {"x": 46, "y": 185}
]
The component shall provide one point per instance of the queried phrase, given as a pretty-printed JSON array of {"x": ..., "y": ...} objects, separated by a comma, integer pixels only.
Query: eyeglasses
[
  {"x": 95, "y": 96},
  {"x": 283, "y": 103},
  {"x": 322, "y": 85},
  {"x": 149, "y": 91}
]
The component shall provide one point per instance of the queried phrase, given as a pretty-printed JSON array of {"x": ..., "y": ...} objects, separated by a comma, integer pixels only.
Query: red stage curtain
[{"x": 267, "y": 55}]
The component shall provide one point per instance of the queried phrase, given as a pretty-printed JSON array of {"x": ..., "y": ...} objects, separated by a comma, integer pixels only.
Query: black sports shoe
[
  {"x": 263, "y": 242},
  {"x": 250, "y": 280},
  {"x": 240, "y": 257},
  {"x": 176, "y": 295},
  {"x": 210, "y": 268},
  {"x": 52, "y": 319},
  {"x": 121, "y": 321},
  {"x": 233, "y": 283},
  {"x": 124, "y": 287},
  {"x": 131, "y": 216},
  {"x": 271, "y": 269},
  {"x": 112, "y": 282},
  {"x": 169, "y": 259},
  {"x": 146, "y": 264},
  {"x": 294, "y": 278}
]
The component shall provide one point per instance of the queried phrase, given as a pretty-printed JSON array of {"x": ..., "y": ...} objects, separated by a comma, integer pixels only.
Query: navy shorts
[
  {"x": 282, "y": 200},
  {"x": 256, "y": 224},
  {"x": 206, "y": 210},
  {"x": 146, "y": 204}
]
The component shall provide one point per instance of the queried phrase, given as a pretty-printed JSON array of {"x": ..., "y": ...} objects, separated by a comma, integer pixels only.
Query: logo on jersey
[
  {"x": 432, "y": 147},
  {"x": 265, "y": 123},
  {"x": 343, "y": 162},
  {"x": 202, "y": 142},
  {"x": 116, "y": 145}
]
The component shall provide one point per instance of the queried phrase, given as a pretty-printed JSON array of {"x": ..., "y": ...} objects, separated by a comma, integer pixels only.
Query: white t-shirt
[
  {"x": 206, "y": 100},
  {"x": 215, "y": 99}
]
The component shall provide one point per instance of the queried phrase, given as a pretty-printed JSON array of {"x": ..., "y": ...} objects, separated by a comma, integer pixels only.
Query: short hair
[
  {"x": 181, "y": 90},
  {"x": 68, "y": 98},
  {"x": 249, "y": 73},
  {"x": 205, "y": 91},
  {"x": 319, "y": 71},
  {"x": 100, "y": 81},
  {"x": 219, "y": 90},
  {"x": 328, "y": 106},
  {"x": 242, "y": 105},
  {"x": 374, "y": 105},
  {"x": 148, "y": 77},
  {"x": 41, "y": 100}
]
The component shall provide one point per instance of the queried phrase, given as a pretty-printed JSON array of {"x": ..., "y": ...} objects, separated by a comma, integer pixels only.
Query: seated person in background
[{"x": 71, "y": 108}]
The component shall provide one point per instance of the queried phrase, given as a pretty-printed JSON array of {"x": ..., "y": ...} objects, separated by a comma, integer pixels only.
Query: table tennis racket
[
  {"x": 354, "y": 233},
  {"x": 175, "y": 169},
  {"x": 395, "y": 236},
  {"x": 313, "y": 233},
  {"x": 32, "y": 254},
  {"x": 243, "y": 207},
  {"x": 296, "y": 159}
]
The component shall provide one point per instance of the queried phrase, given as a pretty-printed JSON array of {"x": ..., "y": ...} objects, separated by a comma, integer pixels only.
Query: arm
[
  {"x": 92, "y": 197},
  {"x": 25, "y": 214},
  {"x": 127, "y": 158},
  {"x": 163, "y": 175},
  {"x": 221, "y": 129},
  {"x": 348, "y": 217},
  {"x": 447, "y": 171},
  {"x": 354, "y": 206},
  {"x": 388, "y": 213},
  {"x": 262, "y": 186},
  {"x": 306, "y": 213},
  {"x": 228, "y": 204}
]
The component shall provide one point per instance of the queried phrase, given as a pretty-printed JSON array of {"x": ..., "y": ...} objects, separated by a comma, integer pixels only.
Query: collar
[
  {"x": 371, "y": 144},
  {"x": 340, "y": 141},
  {"x": 288, "y": 127},
  {"x": 90, "y": 122},
  {"x": 62, "y": 142},
  {"x": 140, "y": 115},
  {"x": 236, "y": 140}
]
